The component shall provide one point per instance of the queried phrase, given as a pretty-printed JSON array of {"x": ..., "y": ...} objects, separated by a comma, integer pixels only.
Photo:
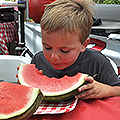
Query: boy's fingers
[
  {"x": 89, "y": 79},
  {"x": 17, "y": 68},
  {"x": 17, "y": 75},
  {"x": 40, "y": 72}
]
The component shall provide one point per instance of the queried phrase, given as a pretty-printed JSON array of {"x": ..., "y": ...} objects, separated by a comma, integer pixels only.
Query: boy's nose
[{"x": 54, "y": 56}]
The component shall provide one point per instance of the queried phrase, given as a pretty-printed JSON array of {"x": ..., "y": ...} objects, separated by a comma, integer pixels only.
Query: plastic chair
[{"x": 8, "y": 66}]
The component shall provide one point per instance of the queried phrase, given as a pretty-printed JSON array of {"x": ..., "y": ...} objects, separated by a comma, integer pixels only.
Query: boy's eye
[
  {"x": 65, "y": 51},
  {"x": 47, "y": 48}
]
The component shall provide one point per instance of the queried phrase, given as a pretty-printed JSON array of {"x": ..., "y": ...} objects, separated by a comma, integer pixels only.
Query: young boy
[{"x": 65, "y": 29}]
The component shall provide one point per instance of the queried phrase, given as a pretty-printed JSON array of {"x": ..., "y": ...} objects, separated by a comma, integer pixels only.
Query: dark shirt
[{"x": 89, "y": 62}]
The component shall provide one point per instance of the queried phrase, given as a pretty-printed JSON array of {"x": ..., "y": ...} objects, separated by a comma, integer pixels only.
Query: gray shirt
[{"x": 89, "y": 62}]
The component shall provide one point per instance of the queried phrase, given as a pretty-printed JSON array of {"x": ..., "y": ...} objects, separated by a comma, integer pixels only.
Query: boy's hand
[
  {"x": 17, "y": 74},
  {"x": 40, "y": 72},
  {"x": 94, "y": 89}
]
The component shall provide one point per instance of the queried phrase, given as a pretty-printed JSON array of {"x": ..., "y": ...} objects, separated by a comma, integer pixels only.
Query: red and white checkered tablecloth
[
  {"x": 8, "y": 33},
  {"x": 56, "y": 108}
]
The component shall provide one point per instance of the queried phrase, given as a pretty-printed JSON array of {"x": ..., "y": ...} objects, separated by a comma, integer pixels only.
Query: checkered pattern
[
  {"x": 8, "y": 33},
  {"x": 56, "y": 108},
  {"x": 3, "y": 47}
]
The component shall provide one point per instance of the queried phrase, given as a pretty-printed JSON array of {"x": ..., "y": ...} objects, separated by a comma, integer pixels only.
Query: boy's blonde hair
[{"x": 69, "y": 16}]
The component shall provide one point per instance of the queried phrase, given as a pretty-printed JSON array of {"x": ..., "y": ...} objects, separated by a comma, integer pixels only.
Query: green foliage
[
  {"x": 111, "y": 2},
  {"x": 107, "y": 1}
]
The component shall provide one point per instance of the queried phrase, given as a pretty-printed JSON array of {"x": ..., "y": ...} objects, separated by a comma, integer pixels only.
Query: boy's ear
[{"x": 84, "y": 45}]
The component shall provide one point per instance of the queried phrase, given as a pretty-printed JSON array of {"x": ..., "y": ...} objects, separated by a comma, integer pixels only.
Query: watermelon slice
[
  {"x": 18, "y": 102},
  {"x": 54, "y": 89}
]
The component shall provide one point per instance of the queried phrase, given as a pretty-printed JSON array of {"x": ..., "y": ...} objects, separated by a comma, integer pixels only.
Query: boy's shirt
[{"x": 89, "y": 62}]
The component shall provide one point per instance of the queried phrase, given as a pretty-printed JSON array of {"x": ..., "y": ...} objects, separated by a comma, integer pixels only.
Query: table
[
  {"x": 95, "y": 109},
  {"x": 8, "y": 33}
]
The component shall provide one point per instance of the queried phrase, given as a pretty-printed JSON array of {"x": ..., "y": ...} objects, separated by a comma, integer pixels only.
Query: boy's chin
[{"x": 58, "y": 67}]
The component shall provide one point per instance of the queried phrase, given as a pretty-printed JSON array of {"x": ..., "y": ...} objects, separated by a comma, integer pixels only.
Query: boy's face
[{"x": 61, "y": 50}]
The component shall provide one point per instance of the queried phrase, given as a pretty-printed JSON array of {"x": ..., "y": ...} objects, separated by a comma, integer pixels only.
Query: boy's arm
[{"x": 96, "y": 89}]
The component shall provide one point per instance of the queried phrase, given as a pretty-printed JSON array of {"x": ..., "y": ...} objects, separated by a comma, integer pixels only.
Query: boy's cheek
[{"x": 46, "y": 53}]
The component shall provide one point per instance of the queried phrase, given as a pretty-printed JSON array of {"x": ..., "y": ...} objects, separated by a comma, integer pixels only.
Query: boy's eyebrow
[
  {"x": 69, "y": 47},
  {"x": 45, "y": 43}
]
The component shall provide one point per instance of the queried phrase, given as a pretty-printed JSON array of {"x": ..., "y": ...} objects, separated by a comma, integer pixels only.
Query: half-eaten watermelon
[
  {"x": 54, "y": 89},
  {"x": 18, "y": 102}
]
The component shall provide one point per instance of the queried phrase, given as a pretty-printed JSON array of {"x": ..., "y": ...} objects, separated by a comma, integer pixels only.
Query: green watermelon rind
[
  {"x": 27, "y": 114},
  {"x": 28, "y": 110},
  {"x": 68, "y": 95},
  {"x": 63, "y": 97}
]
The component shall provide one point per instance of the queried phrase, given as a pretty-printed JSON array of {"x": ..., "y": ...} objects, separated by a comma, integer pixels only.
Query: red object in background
[
  {"x": 36, "y": 8},
  {"x": 8, "y": 33},
  {"x": 2, "y": 5},
  {"x": 118, "y": 70},
  {"x": 99, "y": 45}
]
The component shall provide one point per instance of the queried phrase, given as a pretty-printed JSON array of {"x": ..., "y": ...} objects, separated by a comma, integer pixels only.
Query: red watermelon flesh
[
  {"x": 29, "y": 75},
  {"x": 15, "y": 99}
]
